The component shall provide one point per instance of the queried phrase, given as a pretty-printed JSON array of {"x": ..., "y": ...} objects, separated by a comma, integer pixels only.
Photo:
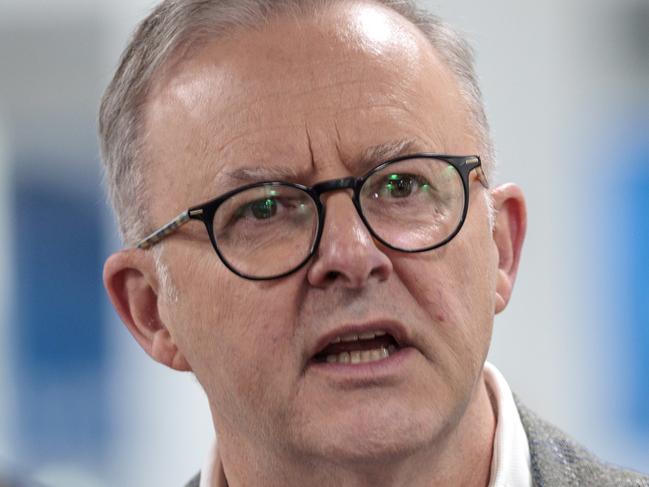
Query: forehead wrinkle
[
  {"x": 427, "y": 135},
  {"x": 255, "y": 165},
  {"x": 368, "y": 158},
  {"x": 250, "y": 107},
  {"x": 309, "y": 142},
  {"x": 297, "y": 84}
]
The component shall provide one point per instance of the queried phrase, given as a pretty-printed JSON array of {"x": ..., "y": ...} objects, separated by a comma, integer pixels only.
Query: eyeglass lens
[
  {"x": 413, "y": 204},
  {"x": 267, "y": 230}
]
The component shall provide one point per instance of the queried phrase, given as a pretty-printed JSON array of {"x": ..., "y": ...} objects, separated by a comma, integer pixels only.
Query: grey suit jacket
[{"x": 557, "y": 461}]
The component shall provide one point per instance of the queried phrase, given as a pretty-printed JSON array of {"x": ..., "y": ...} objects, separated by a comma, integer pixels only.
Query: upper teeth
[{"x": 352, "y": 337}]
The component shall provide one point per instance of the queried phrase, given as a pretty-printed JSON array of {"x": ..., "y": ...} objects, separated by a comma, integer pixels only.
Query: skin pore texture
[{"x": 306, "y": 100}]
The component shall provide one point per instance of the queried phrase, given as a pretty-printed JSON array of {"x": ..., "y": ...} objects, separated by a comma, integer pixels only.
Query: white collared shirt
[
  {"x": 209, "y": 467},
  {"x": 510, "y": 463}
]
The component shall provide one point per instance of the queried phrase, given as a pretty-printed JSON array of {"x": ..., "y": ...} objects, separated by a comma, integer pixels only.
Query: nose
[{"x": 347, "y": 254}]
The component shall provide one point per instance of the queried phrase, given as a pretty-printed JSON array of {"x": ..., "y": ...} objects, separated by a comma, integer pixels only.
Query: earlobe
[
  {"x": 510, "y": 224},
  {"x": 131, "y": 282}
]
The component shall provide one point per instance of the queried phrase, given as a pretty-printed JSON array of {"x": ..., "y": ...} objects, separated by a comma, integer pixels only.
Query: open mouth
[{"x": 352, "y": 348}]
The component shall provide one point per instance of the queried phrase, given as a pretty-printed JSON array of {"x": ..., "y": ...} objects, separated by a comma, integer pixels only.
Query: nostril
[{"x": 332, "y": 275}]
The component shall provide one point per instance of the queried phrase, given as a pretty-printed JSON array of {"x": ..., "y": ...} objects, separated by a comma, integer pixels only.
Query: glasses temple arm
[
  {"x": 164, "y": 231},
  {"x": 482, "y": 177}
]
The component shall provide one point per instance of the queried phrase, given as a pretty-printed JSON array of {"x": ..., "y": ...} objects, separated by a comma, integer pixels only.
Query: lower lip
[{"x": 368, "y": 372}]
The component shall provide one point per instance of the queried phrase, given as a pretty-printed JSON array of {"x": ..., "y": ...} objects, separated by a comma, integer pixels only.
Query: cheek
[
  {"x": 440, "y": 283},
  {"x": 455, "y": 285},
  {"x": 233, "y": 331}
]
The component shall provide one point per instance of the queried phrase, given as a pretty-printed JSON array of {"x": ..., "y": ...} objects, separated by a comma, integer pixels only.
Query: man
[{"x": 346, "y": 349}]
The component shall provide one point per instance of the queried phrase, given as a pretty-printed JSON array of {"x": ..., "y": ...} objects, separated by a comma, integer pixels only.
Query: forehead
[{"x": 306, "y": 96}]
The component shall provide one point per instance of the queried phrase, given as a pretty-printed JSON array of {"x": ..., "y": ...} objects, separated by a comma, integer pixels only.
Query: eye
[
  {"x": 262, "y": 209},
  {"x": 280, "y": 208},
  {"x": 396, "y": 185}
]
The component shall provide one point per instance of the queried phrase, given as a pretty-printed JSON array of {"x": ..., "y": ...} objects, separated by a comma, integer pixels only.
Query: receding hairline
[{"x": 174, "y": 60}]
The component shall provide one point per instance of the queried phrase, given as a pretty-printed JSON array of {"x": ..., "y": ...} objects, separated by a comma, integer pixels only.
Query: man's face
[{"x": 310, "y": 99}]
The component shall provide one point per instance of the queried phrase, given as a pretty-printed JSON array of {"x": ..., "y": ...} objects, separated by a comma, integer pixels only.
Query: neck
[{"x": 462, "y": 457}]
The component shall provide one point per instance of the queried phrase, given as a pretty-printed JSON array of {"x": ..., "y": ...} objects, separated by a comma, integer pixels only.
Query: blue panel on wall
[
  {"x": 637, "y": 192},
  {"x": 60, "y": 349}
]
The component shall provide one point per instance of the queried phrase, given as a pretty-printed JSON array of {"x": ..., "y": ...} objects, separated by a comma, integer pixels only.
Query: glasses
[{"x": 267, "y": 230}]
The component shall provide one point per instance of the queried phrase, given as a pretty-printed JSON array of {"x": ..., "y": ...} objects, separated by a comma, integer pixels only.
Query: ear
[
  {"x": 131, "y": 280},
  {"x": 508, "y": 233}
]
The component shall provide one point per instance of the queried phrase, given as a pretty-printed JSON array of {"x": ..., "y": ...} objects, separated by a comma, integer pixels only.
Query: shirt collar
[
  {"x": 212, "y": 469},
  {"x": 510, "y": 463}
]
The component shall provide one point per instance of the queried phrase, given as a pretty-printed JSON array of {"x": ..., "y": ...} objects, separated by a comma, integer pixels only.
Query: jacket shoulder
[
  {"x": 557, "y": 460},
  {"x": 195, "y": 482}
]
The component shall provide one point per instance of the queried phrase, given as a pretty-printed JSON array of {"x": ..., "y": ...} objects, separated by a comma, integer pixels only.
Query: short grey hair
[{"x": 175, "y": 24}]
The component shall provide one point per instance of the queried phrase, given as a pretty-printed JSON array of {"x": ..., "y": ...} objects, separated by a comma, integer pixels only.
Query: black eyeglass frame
[{"x": 205, "y": 212}]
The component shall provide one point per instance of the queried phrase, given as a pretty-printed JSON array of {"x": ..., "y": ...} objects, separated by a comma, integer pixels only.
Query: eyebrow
[
  {"x": 259, "y": 173},
  {"x": 377, "y": 154},
  {"x": 369, "y": 158}
]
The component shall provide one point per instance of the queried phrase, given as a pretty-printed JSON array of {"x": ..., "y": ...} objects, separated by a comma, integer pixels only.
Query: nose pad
[{"x": 347, "y": 252}]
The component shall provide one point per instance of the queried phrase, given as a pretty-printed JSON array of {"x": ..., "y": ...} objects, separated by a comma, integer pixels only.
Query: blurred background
[{"x": 567, "y": 90}]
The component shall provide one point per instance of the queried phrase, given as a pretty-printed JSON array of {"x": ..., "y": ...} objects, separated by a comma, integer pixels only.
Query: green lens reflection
[{"x": 264, "y": 209}]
